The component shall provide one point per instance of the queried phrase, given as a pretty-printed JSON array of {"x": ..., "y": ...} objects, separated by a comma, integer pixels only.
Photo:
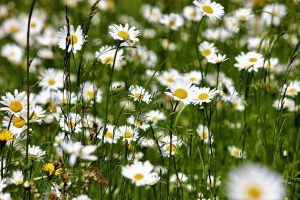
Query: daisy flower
[
  {"x": 90, "y": 92},
  {"x": 167, "y": 148},
  {"x": 52, "y": 79},
  {"x": 128, "y": 133},
  {"x": 81, "y": 197},
  {"x": 106, "y": 55},
  {"x": 78, "y": 150},
  {"x": 34, "y": 152},
  {"x": 70, "y": 123},
  {"x": 155, "y": 115},
  {"x": 243, "y": 14},
  {"x": 5, "y": 196},
  {"x": 110, "y": 135},
  {"x": 292, "y": 89},
  {"x": 16, "y": 178},
  {"x": 212, "y": 183},
  {"x": 236, "y": 152},
  {"x": 273, "y": 13},
  {"x": 181, "y": 90},
  {"x": 17, "y": 123},
  {"x": 204, "y": 95},
  {"x": 13, "y": 53},
  {"x": 193, "y": 76},
  {"x": 74, "y": 40},
  {"x": 204, "y": 134},
  {"x": 207, "y": 49},
  {"x": 118, "y": 32},
  {"x": 139, "y": 122},
  {"x": 138, "y": 93},
  {"x": 254, "y": 182},
  {"x": 250, "y": 61},
  {"x": 172, "y": 21},
  {"x": 178, "y": 178},
  {"x": 14, "y": 103},
  {"x": 192, "y": 13},
  {"x": 140, "y": 173},
  {"x": 168, "y": 77},
  {"x": 212, "y": 10},
  {"x": 152, "y": 14}
]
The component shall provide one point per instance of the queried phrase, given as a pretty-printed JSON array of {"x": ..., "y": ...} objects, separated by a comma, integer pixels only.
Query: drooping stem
[{"x": 28, "y": 61}]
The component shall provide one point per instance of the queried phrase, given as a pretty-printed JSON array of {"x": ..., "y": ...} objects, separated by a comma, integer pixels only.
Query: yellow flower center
[
  {"x": 109, "y": 135},
  {"x": 292, "y": 91},
  {"x": 206, "y": 52},
  {"x": 235, "y": 152},
  {"x": 172, "y": 23},
  {"x": 138, "y": 177},
  {"x": 171, "y": 148},
  {"x": 138, "y": 96},
  {"x": 181, "y": 93},
  {"x": 14, "y": 29},
  {"x": 203, "y": 96},
  {"x": 128, "y": 134},
  {"x": 90, "y": 94},
  {"x": 51, "y": 82},
  {"x": 123, "y": 34},
  {"x": 72, "y": 39},
  {"x": 71, "y": 124},
  {"x": 170, "y": 80},
  {"x": 18, "y": 122},
  {"x": 6, "y": 135},
  {"x": 192, "y": 14},
  {"x": 254, "y": 193},
  {"x": 136, "y": 57},
  {"x": 204, "y": 135},
  {"x": 53, "y": 107},
  {"x": 108, "y": 60},
  {"x": 207, "y": 9},
  {"x": 33, "y": 24},
  {"x": 138, "y": 122},
  {"x": 16, "y": 106},
  {"x": 193, "y": 79},
  {"x": 243, "y": 17},
  {"x": 252, "y": 59}
]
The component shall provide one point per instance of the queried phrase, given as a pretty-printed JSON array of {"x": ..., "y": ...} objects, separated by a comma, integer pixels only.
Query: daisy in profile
[
  {"x": 106, "y": 55},
  {"x": 243, "y": 14},
  {"x": 17, "y": 123},
  {"x": 34, "y": 152},
  {"x": 138, "y": 93},
  {"x": 140, "y": 173},
  {"x": 74, "y": 40},
  {"x": 170, "y": 148},
  {"x": 110, "y": 135},
  {"x": 77, "y": 150},
  {"x": 236, "y": 152},
  {"x": 250, "y": 61},
  {"x": 217, "y": 58},
  {"x": 254, "y": 182},
  {"x": 212, "y": 10},
  {"x": 204, "y": 95},
  {"x": 204, "y": 134},
  {"x": 192, "y": 13},
  {"x": 181, "y": 90},
  {"x": 118, "y": 32},
  {"x": 52, "y": 79},
  {"x": 178, "y": 178},
  {"x": 14, "y": 103},
  {"x": 17, "y": 178},
  {"x": 172, "y": 21},
  {"x": 207, "y": 49}
]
